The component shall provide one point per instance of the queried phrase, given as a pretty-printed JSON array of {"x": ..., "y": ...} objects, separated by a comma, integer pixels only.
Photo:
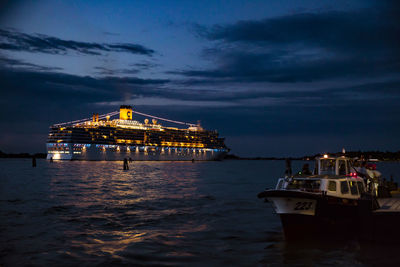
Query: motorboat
[{"x": 330, "y": 202}]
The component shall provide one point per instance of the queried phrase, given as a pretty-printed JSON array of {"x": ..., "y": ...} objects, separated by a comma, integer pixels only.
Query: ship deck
[{"x": 389, "y": 204}]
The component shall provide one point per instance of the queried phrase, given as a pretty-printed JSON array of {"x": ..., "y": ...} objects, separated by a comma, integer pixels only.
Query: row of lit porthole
[{"x": 140, "y": 148}]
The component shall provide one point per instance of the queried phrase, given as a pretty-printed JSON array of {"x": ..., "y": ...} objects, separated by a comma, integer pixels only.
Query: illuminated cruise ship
[{"x": 100, "y": 138}]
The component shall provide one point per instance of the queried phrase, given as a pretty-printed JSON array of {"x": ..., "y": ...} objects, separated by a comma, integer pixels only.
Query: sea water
[{"x": 157, "y": 213}]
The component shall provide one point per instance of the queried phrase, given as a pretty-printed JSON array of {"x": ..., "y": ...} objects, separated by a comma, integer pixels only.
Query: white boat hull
[{"x": 287, "y": 205}]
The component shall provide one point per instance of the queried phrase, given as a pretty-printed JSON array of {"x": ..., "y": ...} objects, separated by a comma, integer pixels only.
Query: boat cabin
[
  {"x": 332, "y": 176},
  {"x": 332, "y": 165}
]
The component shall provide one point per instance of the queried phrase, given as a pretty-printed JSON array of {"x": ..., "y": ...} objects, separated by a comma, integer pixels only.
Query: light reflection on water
[
  {"x": 135, "y": 200},
  {"x": 172, "y": 213}
]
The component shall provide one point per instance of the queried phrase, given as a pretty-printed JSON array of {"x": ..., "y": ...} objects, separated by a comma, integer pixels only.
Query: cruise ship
[{"x": 103, "y": 138}]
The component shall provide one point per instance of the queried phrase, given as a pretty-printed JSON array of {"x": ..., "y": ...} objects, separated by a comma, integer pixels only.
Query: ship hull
[{"x": 143, "y": 153}]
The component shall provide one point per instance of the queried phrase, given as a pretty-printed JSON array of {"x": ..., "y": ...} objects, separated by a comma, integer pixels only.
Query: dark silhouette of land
[
  {"x": 379, "y": 155},
  {"x": 22, "y": 155}
]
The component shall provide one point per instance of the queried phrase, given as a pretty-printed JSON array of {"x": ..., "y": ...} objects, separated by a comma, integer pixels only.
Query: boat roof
[{"x": 319, "y": 177}]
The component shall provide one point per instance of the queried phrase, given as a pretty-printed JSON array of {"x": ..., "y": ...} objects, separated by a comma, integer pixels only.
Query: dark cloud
[
  {"x": 363, "y": 29},
  {"x": 134, "y": 80},
  {"x": 85, "y": 89},
  {"x": 107, "y": 72},
  {"x": 132, "y": 48},
  {"x": 373, "y": 94},
  {"x": 304, "y": 47},
  {"x": 39, "y": 99},
  {"x": 145, "y": 65},
  {"x": 16, "y": 41},
  {"x": 242, "y": 66},
  {"x": 15, "y": 63},
  {"x": 111, "y": 88},
  {"x": 136, "y": 68},
  {"x": 40, "y": 89},
  {"x": 31, "y": 101}
]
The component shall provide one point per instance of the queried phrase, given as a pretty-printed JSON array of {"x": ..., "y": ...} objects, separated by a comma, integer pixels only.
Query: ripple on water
[{"x": 157, "y": 213}]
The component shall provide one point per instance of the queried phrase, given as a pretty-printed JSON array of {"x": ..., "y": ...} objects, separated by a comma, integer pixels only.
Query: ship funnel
[{"x": 125, "y": 112}]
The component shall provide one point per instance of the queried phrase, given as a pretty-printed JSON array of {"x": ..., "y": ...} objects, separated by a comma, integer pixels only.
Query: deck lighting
[{"x": 325, "y": 156}]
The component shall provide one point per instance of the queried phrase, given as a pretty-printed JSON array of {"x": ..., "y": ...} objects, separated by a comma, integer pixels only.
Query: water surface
[{"x": 156, "y": 213}]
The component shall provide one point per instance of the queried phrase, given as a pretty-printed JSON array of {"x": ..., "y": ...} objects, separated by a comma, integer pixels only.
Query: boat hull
[
  {"x": 297, "y": 227},
  {"x": 310, "y": 216},
  {"x": 144, "y": 153},
  {"x": 294, "y": 205}
]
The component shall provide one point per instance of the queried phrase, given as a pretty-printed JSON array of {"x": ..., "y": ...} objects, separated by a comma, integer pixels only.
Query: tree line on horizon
[{"x": 379, "y": 155}]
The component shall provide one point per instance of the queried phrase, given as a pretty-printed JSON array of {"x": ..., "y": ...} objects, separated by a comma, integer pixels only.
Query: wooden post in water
[{"x": 126, "y": 166}]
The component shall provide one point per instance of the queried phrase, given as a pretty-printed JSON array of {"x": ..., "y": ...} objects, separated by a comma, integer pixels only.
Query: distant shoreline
[
  {"x": 379, "y": 155},
  {"x": 22, "y": 155}
]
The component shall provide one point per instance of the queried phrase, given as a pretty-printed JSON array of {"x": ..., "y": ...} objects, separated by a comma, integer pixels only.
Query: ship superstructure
[{"x": 101, "y": 138}]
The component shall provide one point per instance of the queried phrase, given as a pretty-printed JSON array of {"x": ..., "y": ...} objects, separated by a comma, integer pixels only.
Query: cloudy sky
[{"x": 276, "y": 78}]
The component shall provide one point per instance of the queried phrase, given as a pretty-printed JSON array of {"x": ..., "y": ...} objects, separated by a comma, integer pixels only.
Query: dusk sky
[{"x": 275, "y": 78}]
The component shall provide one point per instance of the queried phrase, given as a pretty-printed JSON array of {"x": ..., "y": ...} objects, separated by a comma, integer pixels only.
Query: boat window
[
  {"x": 353, "y": 187},
  {"x": 342, "y": 167},
  {"x": 332, "y": 186},
  {"x": 344, "y": 187},
  {"x": 304, "y": 184},
  {"x": 360, "y": 186},
  {"x": 327, "y": 166}
]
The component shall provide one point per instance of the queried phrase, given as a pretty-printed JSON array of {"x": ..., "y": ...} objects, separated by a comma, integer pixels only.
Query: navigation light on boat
[
  {"x": 325, "y": 156},
  {"x": 352, "y": 174}
]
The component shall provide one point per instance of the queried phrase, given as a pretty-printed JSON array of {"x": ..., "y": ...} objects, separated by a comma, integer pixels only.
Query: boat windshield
[
  {"x": 327, "y": 166},
  {"x": 304, "y": 184}
]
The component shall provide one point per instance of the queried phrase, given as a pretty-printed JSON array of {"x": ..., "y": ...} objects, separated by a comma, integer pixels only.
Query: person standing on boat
[
  {"x": 375, "y": 177},
  {"x": 363, "y": 172},
  {"x": 363, "y": 169},
  {"x": 306, "y": 169}
]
